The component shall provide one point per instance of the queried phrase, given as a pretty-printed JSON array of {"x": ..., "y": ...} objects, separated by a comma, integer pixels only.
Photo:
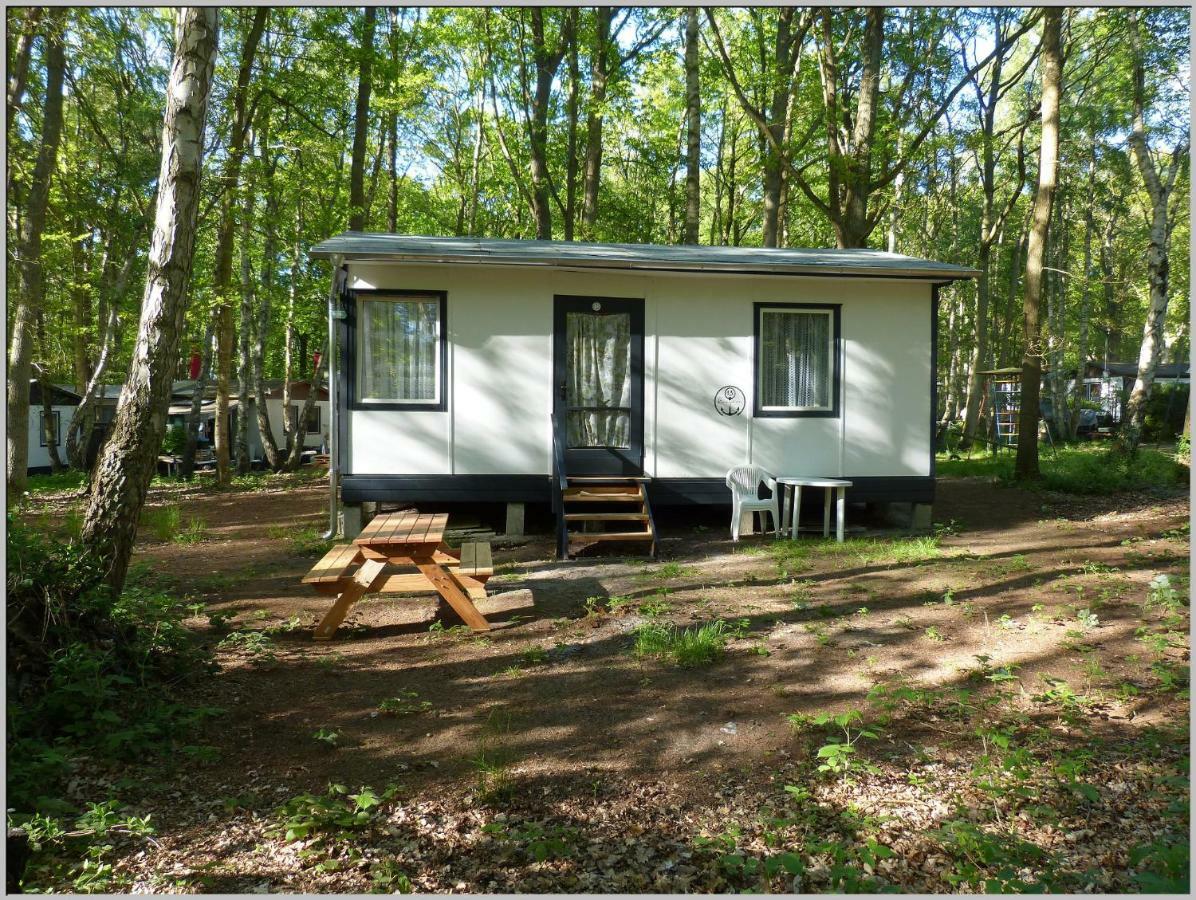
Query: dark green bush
[
  {"x": 1164, "y": 415},
  {"x": 88, "y": 673}
]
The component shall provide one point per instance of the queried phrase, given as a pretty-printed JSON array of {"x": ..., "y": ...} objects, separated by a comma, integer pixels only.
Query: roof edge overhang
[{"x": 821, "y": 271}]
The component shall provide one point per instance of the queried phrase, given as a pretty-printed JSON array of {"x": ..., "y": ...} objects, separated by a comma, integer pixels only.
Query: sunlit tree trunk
[
  {"x": 361, "y": 122},
  {"x": 129, "y": 457},
  {"x": 223, "y": 263},
  {"x": 1159, "y": 185},
  {"x": 1026, "y": 466},
  {"x": 693, "y": 125}
]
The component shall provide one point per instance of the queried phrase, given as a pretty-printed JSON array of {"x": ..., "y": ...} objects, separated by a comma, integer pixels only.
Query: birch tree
[
  {"x": 129, "y": 458},
  {"x": 1159, "y": 176}
]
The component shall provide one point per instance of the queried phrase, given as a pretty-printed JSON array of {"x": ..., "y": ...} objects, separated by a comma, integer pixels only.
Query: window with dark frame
[
  {"x": 400, "y": 350},
  {"x": 312, "y": 426},
  {"x": 797, "y": 360},
  {"x": 41, "y": 428}
]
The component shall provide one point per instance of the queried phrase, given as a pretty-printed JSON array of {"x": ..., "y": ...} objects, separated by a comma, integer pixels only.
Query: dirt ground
[{"x": 640, "y": 767}]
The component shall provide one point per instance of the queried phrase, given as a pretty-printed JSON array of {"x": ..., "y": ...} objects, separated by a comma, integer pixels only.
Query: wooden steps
[{"x": 621, "y": 500}]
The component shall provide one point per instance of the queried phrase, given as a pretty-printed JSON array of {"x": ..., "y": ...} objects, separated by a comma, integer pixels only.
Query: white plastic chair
[{"x": 744, "y": 482}]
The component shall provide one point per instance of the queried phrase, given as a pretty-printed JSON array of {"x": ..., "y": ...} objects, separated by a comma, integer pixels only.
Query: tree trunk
[
  {"x": 1026, "y": 466},
  {"x": 547, "y": 61},
  {"x": 18, "y": 65},
  {"x": 32, "y": 289},
  {"x": 80, "y": 309},
  {"x": 693, "y": 124},
  {"x": 571, "y": 112},
  {"x": 223, "y": 262},
  {"x": 1159, "y": 185},
  {"x": 392, "y": 129},
  {"x": 245, "y": 329},
  {"x": 600, "y": 72},
  {"x": 295, "y": 446},
  {"x": 129, "y": 458},
  {"x": 194, "y": 414},
  {"x": 78, "y": 432},
  {"x": 1085, "y": 288},
  {"x": 261, "y": 332},
  {"x": 361, "y": 123}
]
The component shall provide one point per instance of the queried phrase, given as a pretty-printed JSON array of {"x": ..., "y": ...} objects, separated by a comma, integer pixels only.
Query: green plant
[
  {"x": 406, "y": 704},
  {"x": 195, "y": 532},
  {"x": 328, "y": 737},
  {"x": 539, "y": 842},
  {"x": 1164, "y": 866},
  {"x": 173, "y": 440},
  {"x": 162, "y": 521},
  {"x": 688, "y": 647},
  {"x": 838, "y": 755},
  {"x": 491, "y": 762},
  {"x": 336, "y": 813},
  {"x": 933, "y": 634},
  {"x": 257, "y": 644},
  {"x": 666, "y": 571}
]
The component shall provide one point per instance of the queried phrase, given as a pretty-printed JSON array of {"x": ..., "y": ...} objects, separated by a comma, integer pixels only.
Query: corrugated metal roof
[{"x": 359, "y": 246}]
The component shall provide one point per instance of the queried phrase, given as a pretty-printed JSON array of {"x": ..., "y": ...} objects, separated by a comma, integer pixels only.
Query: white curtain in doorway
[{"x": 598, "y": 379}]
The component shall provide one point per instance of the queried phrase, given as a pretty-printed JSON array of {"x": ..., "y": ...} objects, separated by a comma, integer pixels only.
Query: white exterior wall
[
  {"x": 275, "y": 414},
  {"x": 698, "y": 338},
  {"x": 39, "y": 456}
]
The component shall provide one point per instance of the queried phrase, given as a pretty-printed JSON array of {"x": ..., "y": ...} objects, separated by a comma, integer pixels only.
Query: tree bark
[
  {"x": 547, "y": 61},
  {"x": 599, "y": 77},
  {"x": 992, "y": 223},
  {"x": 693, "y": 124},
  {"x": 1159, "y": 185},
  {"x": 361, "y": 123},
  {"x": 194, "y": 414},
  {"x": 266, "y": 295},
  {"x": 18, "y": 65},
  {"x": 1026, "y": 466},
  {"x": 244, "y": 331},
  {"x": 78, "y": 432},
  {"x": 129, "y": 458},
  {"x": 1085, "y": 290},
  {"x": 223, "y": 262},
  {"x": 32, "y": 289}
]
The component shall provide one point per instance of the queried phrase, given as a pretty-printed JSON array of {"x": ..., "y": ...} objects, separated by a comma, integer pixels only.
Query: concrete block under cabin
[{"x": 479, "y": 371}]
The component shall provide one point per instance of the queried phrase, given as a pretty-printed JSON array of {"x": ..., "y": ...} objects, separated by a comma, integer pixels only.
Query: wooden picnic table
[{"x": 403, "y": 539}]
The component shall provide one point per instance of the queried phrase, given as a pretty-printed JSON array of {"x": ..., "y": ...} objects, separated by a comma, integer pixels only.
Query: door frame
[{"x": 601, "y": 460}]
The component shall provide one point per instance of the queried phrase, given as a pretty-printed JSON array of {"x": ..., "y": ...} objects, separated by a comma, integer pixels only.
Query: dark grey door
[{"x": 598, "y": 373}]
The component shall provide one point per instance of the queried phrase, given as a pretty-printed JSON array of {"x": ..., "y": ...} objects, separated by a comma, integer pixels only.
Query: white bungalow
[
  {"x": 63, "y": 401},
  {"x": 656, "y": 368}
]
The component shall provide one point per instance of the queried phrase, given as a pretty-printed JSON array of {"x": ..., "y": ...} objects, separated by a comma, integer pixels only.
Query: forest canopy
[{"x": 909, "y": 129}]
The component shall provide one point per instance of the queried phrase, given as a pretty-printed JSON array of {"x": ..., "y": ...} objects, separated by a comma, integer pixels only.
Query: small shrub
[{"x": 406, "y": 704}]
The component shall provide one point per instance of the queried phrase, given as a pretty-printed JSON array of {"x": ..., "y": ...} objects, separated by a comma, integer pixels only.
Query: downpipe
[{"x": 334, "y": 315}]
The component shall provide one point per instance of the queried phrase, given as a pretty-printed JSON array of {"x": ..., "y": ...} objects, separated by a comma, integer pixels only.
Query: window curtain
[
  {"x": 598, "y": 380},
  {"x": 796, "y": 365},
  {"x": 399, "y": 344}
]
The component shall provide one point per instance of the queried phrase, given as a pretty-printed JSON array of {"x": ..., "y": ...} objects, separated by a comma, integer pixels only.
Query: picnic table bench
[{"x": 408, "y": 539}]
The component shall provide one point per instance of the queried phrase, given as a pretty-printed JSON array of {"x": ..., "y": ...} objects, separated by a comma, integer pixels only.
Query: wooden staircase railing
[
  {"x": 601, "y": 496},
  {"x": 560, "y": 483}
]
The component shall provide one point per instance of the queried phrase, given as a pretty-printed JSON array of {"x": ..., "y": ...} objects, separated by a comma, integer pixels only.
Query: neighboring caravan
[
  {"x": 62, "y": 406},
  {"x": 458, "y": 359}
]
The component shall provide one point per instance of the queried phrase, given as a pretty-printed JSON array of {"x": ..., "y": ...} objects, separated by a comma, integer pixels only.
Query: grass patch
[
  {"x": 797, "y": 556},
  {"x": 68, "y": 480},
  {"x": 1082, "y": 469},
  {"x": 306, "y": 541},
  {"x": 685, "y": 647}
]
